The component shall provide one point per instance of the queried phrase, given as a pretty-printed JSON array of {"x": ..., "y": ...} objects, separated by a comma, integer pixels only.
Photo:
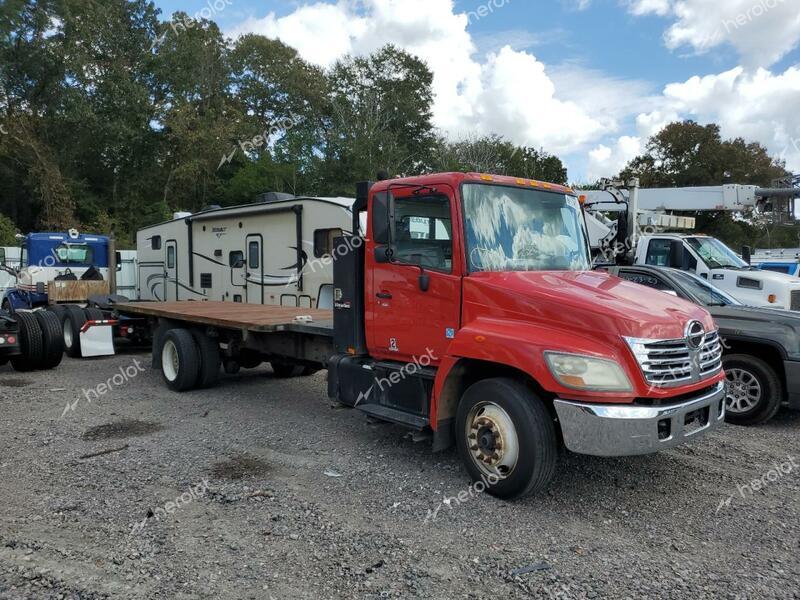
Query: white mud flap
[{"x": 97, "y": 338}]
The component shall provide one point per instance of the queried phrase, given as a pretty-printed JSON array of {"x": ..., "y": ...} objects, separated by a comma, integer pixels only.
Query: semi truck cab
[
  {"x": 712, "y": 260},
  {"x": 471, "y": 308}
]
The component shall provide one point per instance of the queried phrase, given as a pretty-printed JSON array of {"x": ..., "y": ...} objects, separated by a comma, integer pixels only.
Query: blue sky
[{"x": 588, "y": 80}]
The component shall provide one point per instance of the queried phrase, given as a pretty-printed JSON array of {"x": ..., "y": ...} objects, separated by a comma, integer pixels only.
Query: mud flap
[{"x": 97, "y": 338}]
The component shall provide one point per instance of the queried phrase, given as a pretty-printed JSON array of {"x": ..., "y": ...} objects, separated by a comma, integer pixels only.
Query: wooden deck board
[{"x": 254, "y": 317}]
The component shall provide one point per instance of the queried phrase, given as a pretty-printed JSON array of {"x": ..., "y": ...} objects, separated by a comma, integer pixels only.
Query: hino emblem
[{"x": 695, "y": 335}]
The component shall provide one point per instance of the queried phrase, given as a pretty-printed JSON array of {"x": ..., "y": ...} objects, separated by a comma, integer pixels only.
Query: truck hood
[
  {"x": 764, "y": 324},
  {"x": 591, "y": 301},
  {"x": 769, "y": 277}
]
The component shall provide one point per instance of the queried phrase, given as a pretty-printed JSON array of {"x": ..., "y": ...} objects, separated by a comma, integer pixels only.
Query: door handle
[{"x": 384, "y": 295}]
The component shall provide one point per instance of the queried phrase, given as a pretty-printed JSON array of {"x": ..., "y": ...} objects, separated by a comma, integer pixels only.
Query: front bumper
[
  {"x": 792, "y": 369},
  {"x": 625, "y": 430}
]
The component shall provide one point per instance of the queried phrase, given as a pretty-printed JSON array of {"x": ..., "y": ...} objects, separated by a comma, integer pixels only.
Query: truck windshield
[
  {"x": 703, "y": 291},
  {"x": 516, "y": 229},
  {"x": 715, "y": 254},
  {"x": 78, "y": 254}
]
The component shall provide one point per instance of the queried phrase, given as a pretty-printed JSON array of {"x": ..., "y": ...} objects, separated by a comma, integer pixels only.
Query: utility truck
[
  {"x": 643, "y": 234},
  {"x": 469, "y": 309}
]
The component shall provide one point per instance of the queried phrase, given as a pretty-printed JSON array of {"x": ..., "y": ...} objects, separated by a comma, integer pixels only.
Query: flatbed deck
[{"x": 234, "y": 315}]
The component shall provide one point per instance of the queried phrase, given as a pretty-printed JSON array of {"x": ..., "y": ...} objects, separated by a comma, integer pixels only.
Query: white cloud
[
  {"x": 608, "y": 162},
  {"x": 509, "y": 92},
  {"x": 761, "y": 31}
]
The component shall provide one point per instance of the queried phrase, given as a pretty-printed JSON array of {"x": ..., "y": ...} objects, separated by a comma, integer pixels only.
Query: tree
[{"x": 8, "y": 231}]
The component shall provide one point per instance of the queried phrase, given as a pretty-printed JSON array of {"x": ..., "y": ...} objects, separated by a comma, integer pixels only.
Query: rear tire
[
  {"x": 180, "y": 360},
  {"x": 754, "y": 393},
  {"x": 210, "y": 360},
  {"x": 52, "y": 338},
  {"x": 284, "y": 370},
  {"x": 73, "y": 321},
  {"x": 31, "y": 343},
  {"x": 506, "y": 438}
]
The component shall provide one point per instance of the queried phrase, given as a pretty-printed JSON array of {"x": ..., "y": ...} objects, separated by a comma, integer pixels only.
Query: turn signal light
[{"x": 772, "y": 298}]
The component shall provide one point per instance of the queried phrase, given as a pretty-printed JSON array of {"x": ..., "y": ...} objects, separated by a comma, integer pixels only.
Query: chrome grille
[
  {"x": 796, "y": 300},
  {"x": 669, "y": 363}
]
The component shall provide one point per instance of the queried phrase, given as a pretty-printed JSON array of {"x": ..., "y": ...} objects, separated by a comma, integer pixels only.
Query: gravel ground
[{"x": 284, "y": 496}]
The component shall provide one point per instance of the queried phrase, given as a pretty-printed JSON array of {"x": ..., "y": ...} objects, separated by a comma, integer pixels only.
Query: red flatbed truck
[{"x": 470, "y": 309}]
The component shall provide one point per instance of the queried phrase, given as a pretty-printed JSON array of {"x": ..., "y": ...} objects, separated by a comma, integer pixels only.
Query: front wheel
[
  {"x": 506, "y": 438},
  {"x": 754, "y": 392}
]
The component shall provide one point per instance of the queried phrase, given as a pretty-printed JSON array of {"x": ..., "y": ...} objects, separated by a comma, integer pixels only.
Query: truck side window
[
  {"x": 424, "y": 232},
  {"x": 323, "y": 241},
  {"x": 658, "y": 253}
]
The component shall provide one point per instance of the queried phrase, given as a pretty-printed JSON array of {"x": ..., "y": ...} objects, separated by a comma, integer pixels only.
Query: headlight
[{"x": 587, "y": 373}]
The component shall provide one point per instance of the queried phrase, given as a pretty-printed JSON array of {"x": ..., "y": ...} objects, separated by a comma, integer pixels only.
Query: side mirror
[
  {"x": 3, "y": 256},
  {"x": 382, "y": 218},
  {"x": 677, "y": 254},
  {"x": 747, "y": 254}
]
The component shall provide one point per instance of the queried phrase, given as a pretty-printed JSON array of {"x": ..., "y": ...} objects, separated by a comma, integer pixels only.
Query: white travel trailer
[
  {"x": 13, "y": 260},
  {"x": 273, "y": 252}
]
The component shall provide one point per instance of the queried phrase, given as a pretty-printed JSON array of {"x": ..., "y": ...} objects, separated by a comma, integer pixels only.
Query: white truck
[{"x": 637, "y": 236}]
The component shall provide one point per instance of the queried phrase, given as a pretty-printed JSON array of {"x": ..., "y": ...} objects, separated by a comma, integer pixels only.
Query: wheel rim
[
  {"x": 67, "y": 335},
  {"x": 169, "y": 360},
  {"x": 492, "y": 440},
  {"x": 744, "y": 391}
]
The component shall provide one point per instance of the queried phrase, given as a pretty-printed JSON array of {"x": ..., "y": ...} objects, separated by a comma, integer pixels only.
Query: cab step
[{"x": 393, "y": 415}]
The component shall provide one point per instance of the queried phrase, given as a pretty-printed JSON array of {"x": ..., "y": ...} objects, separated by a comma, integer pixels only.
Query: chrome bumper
[{"x": 624, "y": 430}]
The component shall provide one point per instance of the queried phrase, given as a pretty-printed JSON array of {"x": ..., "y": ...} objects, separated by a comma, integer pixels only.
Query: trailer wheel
[
  {"x": 73, "y": 320},
  {"x": 285, "y": 370},
  {"x": 506, "y": 438},
  {"x": 180, "y": 360},
  {"x": 754, "y": 393},
  {"x": 52, "y": 337},
  {"x": 30, "y": 342},
  {"x": 208, "y": 375}
]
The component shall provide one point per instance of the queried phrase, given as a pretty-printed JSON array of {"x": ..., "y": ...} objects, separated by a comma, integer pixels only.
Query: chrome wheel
[
  {"x": 492, "y": 439},
  {"x": 169, "y": 360},
  {"x": 744, "y": 391},
  {"x": 67, "y": 334}
]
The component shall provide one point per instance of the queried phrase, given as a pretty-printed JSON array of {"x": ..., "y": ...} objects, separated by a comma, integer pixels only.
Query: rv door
[{"x": 171, "y": 271}]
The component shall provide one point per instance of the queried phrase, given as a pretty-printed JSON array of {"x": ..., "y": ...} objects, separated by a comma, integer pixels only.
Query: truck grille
[
  {"x": 796, "y": 300},
  {"x": 669, "y": 363}
]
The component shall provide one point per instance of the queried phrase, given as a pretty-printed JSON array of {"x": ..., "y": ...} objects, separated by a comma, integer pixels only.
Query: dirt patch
[
  {"x": 15, "y": 383},
  {"x": 120, "y": 430},
  {"x": 240, "y": 466}
]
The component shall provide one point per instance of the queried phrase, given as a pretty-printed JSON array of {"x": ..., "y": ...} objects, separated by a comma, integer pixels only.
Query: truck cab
[
  {"x": 46, "y": 257},
  {"x": 471, "y": 308},
  {"x": 712, "y": 260}
]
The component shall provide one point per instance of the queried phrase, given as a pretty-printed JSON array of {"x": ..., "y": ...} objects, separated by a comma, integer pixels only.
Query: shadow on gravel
[
  {"x": 240, "y": 466},
  {"x": 120, "y": 430},
  {"x": 15, "y": 383},
  {"x": 785, "y": 419}
]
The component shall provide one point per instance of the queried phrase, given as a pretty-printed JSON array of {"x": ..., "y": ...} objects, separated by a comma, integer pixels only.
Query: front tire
[
  {"x": 506, "y": 438},
  {"x": 180, "y": 360},
  {"x": 754, "y": 393}
]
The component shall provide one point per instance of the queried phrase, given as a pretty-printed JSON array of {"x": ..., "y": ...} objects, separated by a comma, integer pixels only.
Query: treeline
[{"x": 111, "y": 119}]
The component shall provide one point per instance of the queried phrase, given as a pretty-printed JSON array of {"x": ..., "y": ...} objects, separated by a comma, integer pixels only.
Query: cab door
[{"x": 414, "y": 308}]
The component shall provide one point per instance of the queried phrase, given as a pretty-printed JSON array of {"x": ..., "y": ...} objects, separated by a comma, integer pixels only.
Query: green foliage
[{"x": 7, "y": 231}]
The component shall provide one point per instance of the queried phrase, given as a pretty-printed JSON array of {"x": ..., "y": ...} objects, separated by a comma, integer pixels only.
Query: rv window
[
  {"x": 236, "y": 259},
  {"x": 323, "y": 241},
  {"x": 155, "y": 242},
  {"x": 206, "y": 281},
  {"x": 254, "y": 255},
  {"x": 170, "y": 257}
]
